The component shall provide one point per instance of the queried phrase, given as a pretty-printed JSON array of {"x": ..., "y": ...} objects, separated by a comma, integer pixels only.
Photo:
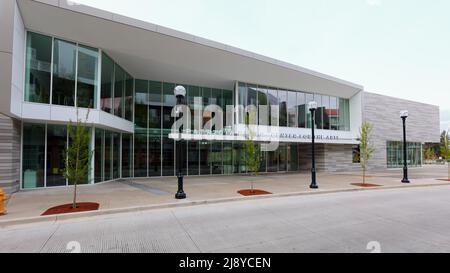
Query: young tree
[
  {"x": 77, "y": 154},
  {"x": 445, "y": 150},
  {"x": 366, "y": 149},
  {"x": 252, "y": 154}
]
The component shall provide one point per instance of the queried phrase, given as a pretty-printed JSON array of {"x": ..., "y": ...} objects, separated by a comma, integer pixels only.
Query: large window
[
  {"x": 127, "y": 152},
  {"x": 227, "y": 156},
  {"x": 395, "y": 154},
  {"x": 332, "y": 113},
  {"x": 140, "y": 128},
  {"x": 128, "y": 100},
  {"x": 326, "y": 112},
  {"x": 292, "y": 109},
  {"x": 33, "y": 159},
  {"x": 87, "y": 77},
  {"x": 64, "y": 67},
  {"x": 301, "y": 108},
  {"x": 119, "y": 84},
  {"x": 263, "y": 107},
  {"x": 154, "y": 124},
  {"x": 282, "y": 102},
  {"x": 168, "y": 145},
  {"x": 107, "y": 83},
  {"x": 344, "y": 115},
  {"x": 66, "y": 73},
  {"x": 56, "y": 144},
  {"x": 38, "y": 68},
  {"x": 108, "y": 156},
  {"x": 99, "y": 155},
  {"x": 272, "y": 98}
]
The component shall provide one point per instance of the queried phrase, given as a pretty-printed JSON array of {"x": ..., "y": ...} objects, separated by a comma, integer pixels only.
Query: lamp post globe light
[
  {"x": 180, "y": 94},
  {"x": 312, "y": 108},
  {"x": 404, "y": 115}
]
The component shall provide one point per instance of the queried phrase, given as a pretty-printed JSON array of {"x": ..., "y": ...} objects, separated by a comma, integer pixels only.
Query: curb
[{"x": 78, "y": 215}]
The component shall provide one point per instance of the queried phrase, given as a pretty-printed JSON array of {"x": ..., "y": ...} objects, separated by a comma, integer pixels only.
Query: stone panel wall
[
  {"x": 383, "y": 112},
  {"x": 10, "y": 147}
]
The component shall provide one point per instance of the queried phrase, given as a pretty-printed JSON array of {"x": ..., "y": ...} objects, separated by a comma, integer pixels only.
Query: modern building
[{"x": 57, "y": 57}]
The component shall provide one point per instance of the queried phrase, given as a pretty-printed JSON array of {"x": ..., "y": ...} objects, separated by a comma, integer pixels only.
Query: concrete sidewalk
[{"x": 159, "y": 192}]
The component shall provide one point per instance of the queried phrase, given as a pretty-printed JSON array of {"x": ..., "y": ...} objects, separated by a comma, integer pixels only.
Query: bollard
[{"x": 2, "y": 200}]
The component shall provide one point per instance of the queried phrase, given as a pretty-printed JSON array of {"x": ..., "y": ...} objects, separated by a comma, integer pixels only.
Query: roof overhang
[{"x": 149, "y": 51}]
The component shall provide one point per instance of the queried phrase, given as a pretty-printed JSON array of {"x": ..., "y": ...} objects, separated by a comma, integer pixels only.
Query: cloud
[{"x": 373, "y": 3}]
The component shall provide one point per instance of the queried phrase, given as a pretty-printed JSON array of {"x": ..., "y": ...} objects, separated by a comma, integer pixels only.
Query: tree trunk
[
  {"x": 364, "y": 176},
  {"x": 448, "y": 164},
  {"x": 74, "y": 204}
]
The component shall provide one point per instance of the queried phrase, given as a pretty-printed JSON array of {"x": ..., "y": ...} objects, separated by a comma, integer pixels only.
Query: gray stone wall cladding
[
  {"x": 384, "y": 113},
  {"x": 10, "y": 130},
  {"x": 329, "y": 158}
]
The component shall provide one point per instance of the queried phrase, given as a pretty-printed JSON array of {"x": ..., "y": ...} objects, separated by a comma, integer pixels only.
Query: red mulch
[
  {"x": 67, "y": 208},
  {"x": 444, "y": 180},
  {"x": 365, "y": 185},
  {"x": 253, "y": 192}
]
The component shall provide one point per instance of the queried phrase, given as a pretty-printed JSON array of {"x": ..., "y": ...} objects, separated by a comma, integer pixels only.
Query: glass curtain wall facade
[
  {"x": 333, "y": 113},
  {"x": 395, "y": 154},
  {"x": 155, "y": 152},
  {"x": 67, "y": 73},
  {"x": 43, "y": 155}
]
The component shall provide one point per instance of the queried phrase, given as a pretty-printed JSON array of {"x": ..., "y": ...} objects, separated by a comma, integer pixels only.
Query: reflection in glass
[
  {"x": 334, "y": 113},
  {"x": 239, "y": 158},
  {"x": 205, "y": 158},
  {"x": 119, "y": 85},
  {"x": 292, "y": 154},
  {"x": 38, "y": 68},
  {"x": 282, "y": 100},
  {"x": 87, "y": 77},
  {"x": 127, "y": 155},
  {"x": 108, "y": 156},
  {"x": 263, "y": 115},
  {"x": 64, "y": 65},
  {"x": 193, "y": 158},
  {"x": 107, "y": 83},
  {"x": 326, "y": 112},
  {"x": 227, "y": 157},
  {"x": 116, "y": 155},
  {"x": 56, "y": 145},
  {"x": 33, "y": 155},
  {"x": 272, "y": 161},
  {"x": 128, "y": 97},
  {"x": 98, "y": 155},
  {"x": 168, "y": 145},
  {"x": 272, "y": 96},
  {"x": 140, "y": 154},
  {"x": 216, "y": 157},
  {"x": 292, "y": 109},
  {"x": 282, "y": 157},
  {"x": 301, "y": 106},
  {"x": 263, "y": 163},
  {"x": 154, "y": 153},
  {"x": 319, "y": 111},
  {"x": 395, "y": 154}
]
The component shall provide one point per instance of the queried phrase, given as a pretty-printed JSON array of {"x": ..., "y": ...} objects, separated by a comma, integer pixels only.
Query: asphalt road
[{"x": 395, "y": 220}]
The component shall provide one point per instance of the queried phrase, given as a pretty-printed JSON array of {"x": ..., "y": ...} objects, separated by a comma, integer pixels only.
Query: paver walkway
[{"x": 153, "y": 191}]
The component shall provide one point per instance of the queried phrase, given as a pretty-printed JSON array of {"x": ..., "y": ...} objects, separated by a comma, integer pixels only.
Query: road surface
[{"x": 392, "y": 220}]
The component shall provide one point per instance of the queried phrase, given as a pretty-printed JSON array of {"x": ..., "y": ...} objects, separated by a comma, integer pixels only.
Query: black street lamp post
[
  {"x": 312, "y": 107},
  {"x": 180, "y": 93},
  {"x": 404, "y": 116}
]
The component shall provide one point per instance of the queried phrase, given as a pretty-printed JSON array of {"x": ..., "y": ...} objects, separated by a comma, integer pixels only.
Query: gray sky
[{"x": 399, "y": 48}]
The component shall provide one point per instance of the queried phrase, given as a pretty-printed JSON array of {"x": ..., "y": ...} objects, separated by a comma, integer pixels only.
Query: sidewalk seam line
[{"x": 185, "y": 231}]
